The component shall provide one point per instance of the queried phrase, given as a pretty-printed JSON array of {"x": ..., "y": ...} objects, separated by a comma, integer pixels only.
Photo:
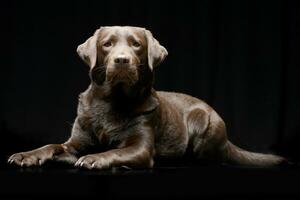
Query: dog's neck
[{"x": 136, "y": 98}]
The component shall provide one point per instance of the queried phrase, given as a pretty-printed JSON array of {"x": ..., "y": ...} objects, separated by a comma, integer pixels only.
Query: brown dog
[{"x": 125, "y": 122}]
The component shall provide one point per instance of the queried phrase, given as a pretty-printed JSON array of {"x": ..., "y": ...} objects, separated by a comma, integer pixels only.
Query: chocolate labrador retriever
[{"x": 123, "y": 121}]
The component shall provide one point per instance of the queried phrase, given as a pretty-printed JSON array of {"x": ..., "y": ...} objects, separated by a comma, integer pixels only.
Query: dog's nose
[{"x": 122, "y": 59}]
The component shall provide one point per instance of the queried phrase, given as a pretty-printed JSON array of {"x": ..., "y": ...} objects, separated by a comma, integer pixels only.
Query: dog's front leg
[
  {"x": 137, "y": 152},
  {"x": 41, "y": 155},
  {"x": 66, "y": 152}
]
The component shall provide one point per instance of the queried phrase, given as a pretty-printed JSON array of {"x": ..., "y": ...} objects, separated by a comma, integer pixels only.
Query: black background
[{"x": 241, "y": 57}]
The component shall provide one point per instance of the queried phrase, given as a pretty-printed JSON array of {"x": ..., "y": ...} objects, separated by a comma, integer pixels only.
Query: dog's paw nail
[
  {"x": 81, "y": 164},
  {"x": 40, "y": 162},
  {"x": 22, "y": 164},
  {"x": 93, "y": 165}
]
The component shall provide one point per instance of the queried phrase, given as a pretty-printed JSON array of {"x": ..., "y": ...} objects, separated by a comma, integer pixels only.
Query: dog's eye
[
  {"x": 136, "y": 44},
  {"x": 107, "y": 44}
]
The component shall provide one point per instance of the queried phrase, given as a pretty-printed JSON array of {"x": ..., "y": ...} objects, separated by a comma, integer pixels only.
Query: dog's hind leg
[
  {"x": 207, "y": 133},
  {"x": 209, "y": 141}
]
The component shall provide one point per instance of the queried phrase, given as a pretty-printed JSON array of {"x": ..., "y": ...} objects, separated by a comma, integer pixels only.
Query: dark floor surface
[{"x": 177, "y": 182}]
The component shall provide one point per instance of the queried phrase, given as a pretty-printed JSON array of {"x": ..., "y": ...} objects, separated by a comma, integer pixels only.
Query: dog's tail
[{"x": 235, "y": 155}]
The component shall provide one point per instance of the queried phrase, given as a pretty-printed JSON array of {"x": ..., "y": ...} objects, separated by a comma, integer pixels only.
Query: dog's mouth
[{"x": 127, "y": 76}]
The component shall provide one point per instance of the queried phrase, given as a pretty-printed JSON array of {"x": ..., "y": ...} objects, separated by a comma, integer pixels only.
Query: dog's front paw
[
  {"x": 26, "y": 159},
  {"x": 93, "y": 161}
]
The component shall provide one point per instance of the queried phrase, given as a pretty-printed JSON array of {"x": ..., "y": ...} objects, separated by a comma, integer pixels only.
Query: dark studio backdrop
[{"x": 241, "y": 57}]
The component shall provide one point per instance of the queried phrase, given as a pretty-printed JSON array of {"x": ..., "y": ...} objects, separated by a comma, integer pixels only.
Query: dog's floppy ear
[
  {"x": 88, "y": 50},
  {"x": 156, "y": 52}
]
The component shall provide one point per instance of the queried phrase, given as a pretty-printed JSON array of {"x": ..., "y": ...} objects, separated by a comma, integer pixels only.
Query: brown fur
[{"x": 123, "y": 121}]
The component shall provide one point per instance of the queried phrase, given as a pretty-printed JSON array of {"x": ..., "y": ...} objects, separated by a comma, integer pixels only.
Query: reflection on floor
[{"x": 184, "y": 182}]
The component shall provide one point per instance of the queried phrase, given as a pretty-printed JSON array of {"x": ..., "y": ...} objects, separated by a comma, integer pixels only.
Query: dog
[{"x": 123, "y": 122}]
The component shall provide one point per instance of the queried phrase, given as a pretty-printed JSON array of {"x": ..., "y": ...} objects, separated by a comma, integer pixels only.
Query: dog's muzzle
[{"x": 121, "y": 73}]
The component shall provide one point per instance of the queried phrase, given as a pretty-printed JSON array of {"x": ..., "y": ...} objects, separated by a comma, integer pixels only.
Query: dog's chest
[{"x": 106, "y": 124}]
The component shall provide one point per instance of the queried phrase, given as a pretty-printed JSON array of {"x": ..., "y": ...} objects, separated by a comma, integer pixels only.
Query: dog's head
[{"x": 121, "y": 54}]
